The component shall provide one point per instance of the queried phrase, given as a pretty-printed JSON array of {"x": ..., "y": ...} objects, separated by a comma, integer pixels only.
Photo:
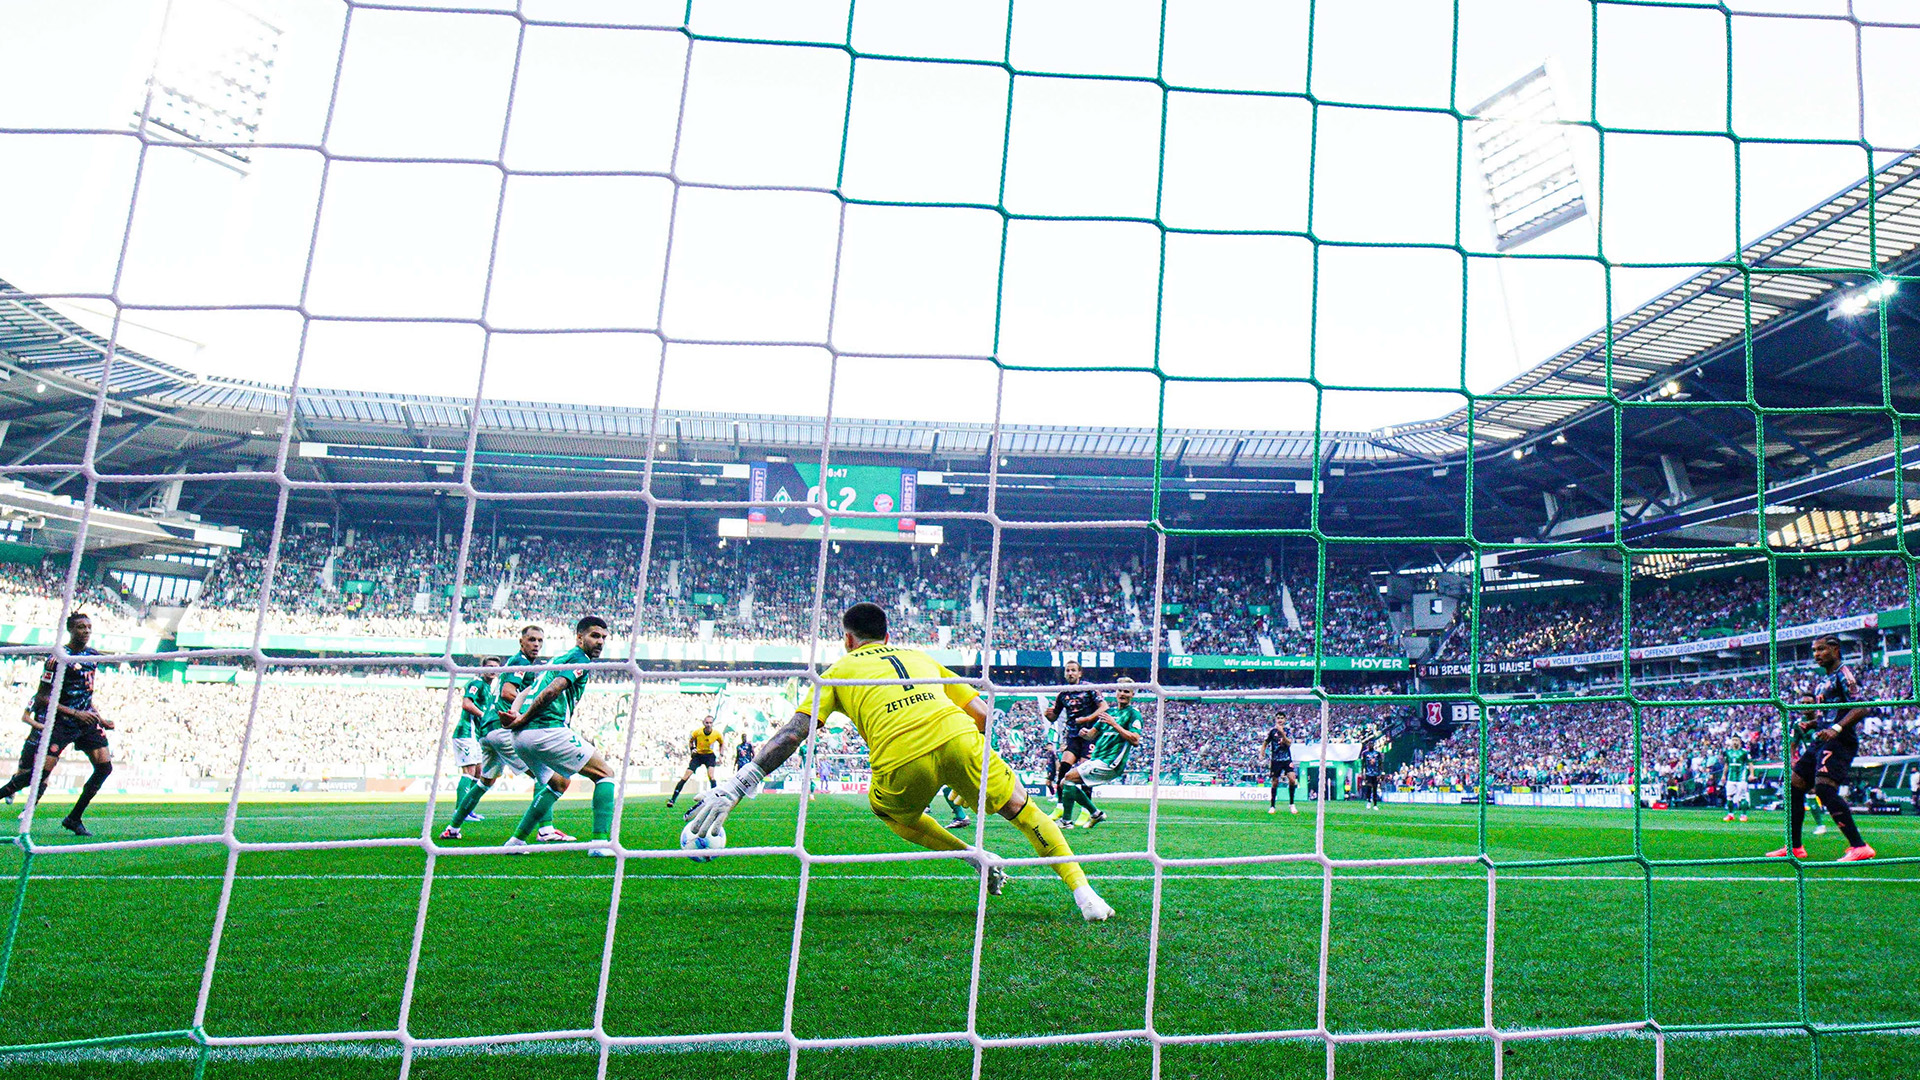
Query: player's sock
[
  {"x": 604, "y": 792},
  {"x": 925, "y": 832},
  {"x": 104, "y": 769},
  {"x": 546, "y": 819},
  {"x": 1049, "y": 842},
  {"x": 1798, "y": 818},
  {"x": 469, "y": 802},
  {"x": 539, "y": 810},
  {"x": 1273, "y": 792},
  {"x": 675, "y": 797},
  {"x": 13, "y": 786},
  {"x": 466, "y": 785},
  {"x": 1086, "y": 797},
  {"x": 1291, "y": 788},
  {"x": 1071, "y": 796},
  {"x": 1837, "y": 808}
]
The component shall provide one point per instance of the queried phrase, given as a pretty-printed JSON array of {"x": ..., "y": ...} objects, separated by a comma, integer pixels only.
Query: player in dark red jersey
[
  {"x": 1823, "y": 766},
  {"x": 75, "y": 723},
  {"x": 1074, "y": 710},
  {"x": 1279, "y": 750}
]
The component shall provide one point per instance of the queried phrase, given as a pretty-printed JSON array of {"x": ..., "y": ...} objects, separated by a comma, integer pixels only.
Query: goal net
[{"x": 1317, "y": 237}]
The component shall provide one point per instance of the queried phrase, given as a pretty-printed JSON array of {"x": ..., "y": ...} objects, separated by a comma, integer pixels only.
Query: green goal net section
[{"x": 704, "y": 26}]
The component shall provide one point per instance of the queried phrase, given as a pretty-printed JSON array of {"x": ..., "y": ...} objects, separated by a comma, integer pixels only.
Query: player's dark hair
[
  {"x": 867, "y": 622},
  {"x": 531, "y": 629},
  {"x": 1834, "y": 638},
  {"x": 491, "y": 661},
  {"x": 78, "y": 616},
  {"x": 588, "y": 622}
]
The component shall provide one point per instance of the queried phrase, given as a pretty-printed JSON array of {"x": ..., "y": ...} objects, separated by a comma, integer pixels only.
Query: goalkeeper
[{"x": 918, "y": 738}]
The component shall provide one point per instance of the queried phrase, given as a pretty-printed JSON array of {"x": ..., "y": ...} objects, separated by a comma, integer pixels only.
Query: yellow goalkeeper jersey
[
  {"x": 707, "y": 742},
  {"x": 899, "y": 723}
]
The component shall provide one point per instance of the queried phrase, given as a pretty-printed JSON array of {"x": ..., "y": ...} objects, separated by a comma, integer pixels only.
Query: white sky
[{"x": 412, "y": 240}]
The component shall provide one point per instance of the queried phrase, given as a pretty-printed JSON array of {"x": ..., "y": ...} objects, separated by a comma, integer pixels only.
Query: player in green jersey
[
  {"x": 1114, "y": 733},
  {"x": 496, "y": 742},
  {"x": 466, "y": 731},
  {"x": 538, "y": 719},
  {"x": 532, "y": 640},
  {"x": 1739, "y": 773}
]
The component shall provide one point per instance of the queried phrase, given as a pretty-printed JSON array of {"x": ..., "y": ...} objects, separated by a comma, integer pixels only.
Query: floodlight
[
  {"x": 210, "y": 81},
  {"x": 1858, "y": 301},
  {"x": 1527, "y": 161}
]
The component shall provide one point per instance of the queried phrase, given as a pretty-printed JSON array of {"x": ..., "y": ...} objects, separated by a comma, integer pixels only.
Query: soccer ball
[{"x": 690, "y": 842}]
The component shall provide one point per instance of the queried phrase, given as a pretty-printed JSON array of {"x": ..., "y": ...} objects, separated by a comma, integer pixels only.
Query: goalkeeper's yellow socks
[
  {"x": 539, "y": 810},
  {"x": 604, "y": 792},
  {"x": 925, "y": 832},
  {"x": 1049, "y": 842}
]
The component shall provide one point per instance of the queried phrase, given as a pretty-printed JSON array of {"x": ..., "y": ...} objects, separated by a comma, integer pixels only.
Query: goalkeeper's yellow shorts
[{"x": 903, "y": 793}]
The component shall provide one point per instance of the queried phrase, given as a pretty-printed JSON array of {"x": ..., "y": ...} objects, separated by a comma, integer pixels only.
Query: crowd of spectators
[
  {"x": 399, "y": 584},
  {"x": 306, "y": 727},
  {"x": 1582, "y": 742},
  {"x": 393, "y": 583},
  {"x": 31, "y": 596},
  {"x": 1665, "y": 612},
  {"x": 318, "y": 728}
]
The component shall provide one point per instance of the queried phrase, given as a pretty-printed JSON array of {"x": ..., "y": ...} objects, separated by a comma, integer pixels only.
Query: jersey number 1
[{"x": 901, "y": 668}]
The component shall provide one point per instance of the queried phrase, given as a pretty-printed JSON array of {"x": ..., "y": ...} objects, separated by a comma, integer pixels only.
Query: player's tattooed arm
[
  {"x": 517, "y": 718},
  {"x": 781, "y": 745}
]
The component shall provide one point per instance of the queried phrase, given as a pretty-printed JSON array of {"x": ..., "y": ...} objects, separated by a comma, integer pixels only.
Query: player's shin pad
[
  {"x": 604, "y": 794},
  {"x": 710, "y": 811},
  {"x": 467, "y": 803},
  {"x": 538, "y": 810},
  {"x": 1841, "y": 813},
  {"x": 1049, "y": 842}
]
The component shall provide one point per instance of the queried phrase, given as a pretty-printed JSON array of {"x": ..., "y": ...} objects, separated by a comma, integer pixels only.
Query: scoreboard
[{"x": 881, "y": 490}]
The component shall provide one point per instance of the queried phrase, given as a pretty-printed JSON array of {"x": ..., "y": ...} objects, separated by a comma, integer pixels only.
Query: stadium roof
[{"x": 1544, "y": 445}]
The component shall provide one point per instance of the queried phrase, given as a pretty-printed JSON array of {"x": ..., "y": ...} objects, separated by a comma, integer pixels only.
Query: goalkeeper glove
[{"x": 710, "y": 811}]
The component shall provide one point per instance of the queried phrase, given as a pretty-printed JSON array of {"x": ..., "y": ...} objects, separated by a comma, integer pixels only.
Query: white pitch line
[
  {"x": 1518, "y": 875},
  {"x": 376, "y": 1050}
]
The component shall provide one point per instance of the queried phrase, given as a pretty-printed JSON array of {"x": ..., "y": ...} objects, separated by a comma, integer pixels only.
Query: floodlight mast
[{"x": 1531, "y": 184}]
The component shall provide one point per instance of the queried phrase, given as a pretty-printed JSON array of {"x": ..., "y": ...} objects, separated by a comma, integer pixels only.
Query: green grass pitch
[{"x": 114, "y": 943}]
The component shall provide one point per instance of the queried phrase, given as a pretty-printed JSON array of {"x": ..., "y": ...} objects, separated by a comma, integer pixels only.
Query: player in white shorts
[
  {"x": 495, "y": 756},
  {"x": 538, "y": 719},
  {"x": 466, "y": 730},
  {"x": 1110, "y": 735}
]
